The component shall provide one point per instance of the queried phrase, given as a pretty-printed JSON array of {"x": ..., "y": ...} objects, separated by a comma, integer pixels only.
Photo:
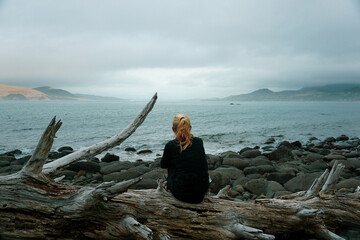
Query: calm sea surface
[{"x": 221, "y": 125}]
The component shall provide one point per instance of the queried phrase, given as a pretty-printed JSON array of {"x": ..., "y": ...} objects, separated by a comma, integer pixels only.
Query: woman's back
[{"x": 188, "y": 178}]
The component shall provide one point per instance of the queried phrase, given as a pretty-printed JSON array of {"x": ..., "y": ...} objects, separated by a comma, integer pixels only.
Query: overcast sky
[{"x": 181, "y": 49}]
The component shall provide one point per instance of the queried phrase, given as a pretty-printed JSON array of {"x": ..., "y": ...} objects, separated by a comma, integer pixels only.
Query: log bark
[{"x": 33, "y": 206}]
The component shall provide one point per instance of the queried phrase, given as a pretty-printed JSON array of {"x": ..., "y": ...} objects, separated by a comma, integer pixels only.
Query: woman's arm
[{"x": 165, "y": 160}]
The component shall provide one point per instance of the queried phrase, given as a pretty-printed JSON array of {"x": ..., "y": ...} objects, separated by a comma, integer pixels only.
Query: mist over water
[{"x": 222, "y": 126}]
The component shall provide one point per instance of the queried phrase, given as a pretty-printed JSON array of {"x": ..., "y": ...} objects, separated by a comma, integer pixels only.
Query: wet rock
[
  {"x": 343, "y": 145},
  {"x": 241, "y": 181},
  {"x": 272, "y": 187},
  {"x": 15, "y": 168},
  {"x": 110, "y": 158},
  {"x": 236, "y": 162},
  {"x": 4, "y": 163},
  {"x": 267, "y": 148},
  {"x": 255, "y": 176},
  {"x": 155, "y": 163},
  {"x": 11, "y": 153},
  {"x": 24, "y": 160},
  {"x": 281, "y": 154},
  {"x": 149, "y": 179},
  {"x": 256, "y": 186},
  {"x": 297, "y": 152},
  {"x": 334, "y": 156},
  {"x": 313, "y": 139},
  {"x": 126, "y": 175},
  {"x": 261, "y": 169},
  {"x": 355, "y": 162},
  {"x": 312, "y": 157},
  {"x": 69, "y": 175},
  {"x": 233, "y": 193},
  {"x": 301, "y": 182},
  {"x": 107, "y": 168},
  {"x": 86, "y": 166},
  {"x": 330, "y": 139},
  {"x": 57, "y": 155},
  {"x": 286, "y": 144},
  {"x": 348, "y": 183},
  {"x": 296, "y": 144},
  {"x": 213, "y": 161},
  {"x": 260, "y": 160},
  {"x": 280, "y": 177},
  {"x": 230, "y": 154},
  {"x": 270, "y": 140},
  {"x": 352, "y": 154},
  {"x": 66, "y": 149},
  {"x": 144, "y": 151},
  {"x": 342, "y": 138},
  {"x": 223, "y": 176},
  {"x": 348, "y": 165},
  {"x": 251, "y": 153},
  {"x": 5, "y": 169},
  {"x": 130, "y": 149},
  {"x": 7, "y": 158},
  {"x": 318, "y": 165}
]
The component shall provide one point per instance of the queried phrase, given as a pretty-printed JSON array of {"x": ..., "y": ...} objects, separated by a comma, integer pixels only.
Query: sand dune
[{"x": 29, "y": 93}]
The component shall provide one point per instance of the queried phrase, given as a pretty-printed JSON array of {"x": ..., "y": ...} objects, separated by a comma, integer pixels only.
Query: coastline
[{"x": 253, "y": 172}]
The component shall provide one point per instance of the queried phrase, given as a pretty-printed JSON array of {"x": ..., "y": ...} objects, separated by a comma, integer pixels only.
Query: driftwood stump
[{"x": 33, "y": 206}]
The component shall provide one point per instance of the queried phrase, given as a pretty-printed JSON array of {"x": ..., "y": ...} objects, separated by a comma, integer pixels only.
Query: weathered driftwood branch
[
  {"x": 104, "y": 145},
  {"x": 34, "y": 208}
]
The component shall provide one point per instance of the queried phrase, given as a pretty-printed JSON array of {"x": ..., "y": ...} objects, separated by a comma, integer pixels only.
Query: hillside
[
  {"x": 20, "y": 93},
  {"x": 46, "y": 93},
  {"x": 57, "y": 94},
  {"x": 333, "y": 92}
]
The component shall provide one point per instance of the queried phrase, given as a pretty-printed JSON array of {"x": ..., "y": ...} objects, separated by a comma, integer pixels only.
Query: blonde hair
[{"x": 182, "y": 129}]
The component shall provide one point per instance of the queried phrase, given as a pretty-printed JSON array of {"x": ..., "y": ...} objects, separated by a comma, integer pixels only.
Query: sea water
[{"x": 222, "y": 125}]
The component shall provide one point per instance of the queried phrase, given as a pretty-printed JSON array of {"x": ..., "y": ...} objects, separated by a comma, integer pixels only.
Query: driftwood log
[{"x": 33, "y": 206}]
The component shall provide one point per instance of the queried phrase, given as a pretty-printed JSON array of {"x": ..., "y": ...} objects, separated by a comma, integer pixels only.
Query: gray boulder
[
  {"x": 107, "y": 168},
  {"x": 110, "y": 158},
  {"x": 301, "y": 182},
  {"x": 149, "y": 179},
  {"x": 259, "y": 169},
  {"x": 4, "y": 163},
  {"x": 270, "y": 140},
  {"x": 236, "y": 162},
  {"x": 126, "y": 175},
  {"x": 251, "y": 153},
  {"x": 273, "y": 187},
  {"x": 213, "y": 161},
  {"x": 312, "y": 157},
  {"x": 355, "y": 162},
  {"x": 256, "y": 186},
  {"x": 334, "y": 156},
  {"x": 260, "y": 160},
  {"x": 229, "y": 154},
  {"x": 348, "y": 183},
  {"x": 66, "y": 148},
  {"x": 223, "y": 176},
  {"x": 7, "y": 158},
  {"x": 87, "y": 166},
  {"x": 280, "y": 177},
  {"x": 281, "y": 154},
  {"x": 317, "y": 166}
]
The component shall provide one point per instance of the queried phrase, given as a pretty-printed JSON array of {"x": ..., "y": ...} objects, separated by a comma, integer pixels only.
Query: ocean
[{"x": 222, "y": 125}]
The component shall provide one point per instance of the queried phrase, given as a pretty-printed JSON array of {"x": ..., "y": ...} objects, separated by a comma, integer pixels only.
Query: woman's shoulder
[{"x": 197, "y": 140}]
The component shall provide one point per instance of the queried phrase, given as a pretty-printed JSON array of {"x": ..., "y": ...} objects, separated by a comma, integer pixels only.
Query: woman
[{"x": 184, "y": 157}]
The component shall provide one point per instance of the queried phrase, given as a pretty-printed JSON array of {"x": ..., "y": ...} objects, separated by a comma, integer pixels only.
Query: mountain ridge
[
  {"x": 330, "y": 92},
  {"x": 8, "y": 92}
]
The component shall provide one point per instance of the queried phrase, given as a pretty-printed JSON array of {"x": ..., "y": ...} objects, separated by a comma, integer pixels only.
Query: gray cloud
[{"x": 201, "y": 48}]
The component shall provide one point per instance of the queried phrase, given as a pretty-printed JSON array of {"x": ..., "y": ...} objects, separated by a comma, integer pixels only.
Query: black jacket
[{"x": 188, "y": 178}]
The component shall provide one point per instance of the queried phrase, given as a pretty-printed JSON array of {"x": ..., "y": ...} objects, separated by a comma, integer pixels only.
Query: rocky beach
[{"x": 252, "y": 172}]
